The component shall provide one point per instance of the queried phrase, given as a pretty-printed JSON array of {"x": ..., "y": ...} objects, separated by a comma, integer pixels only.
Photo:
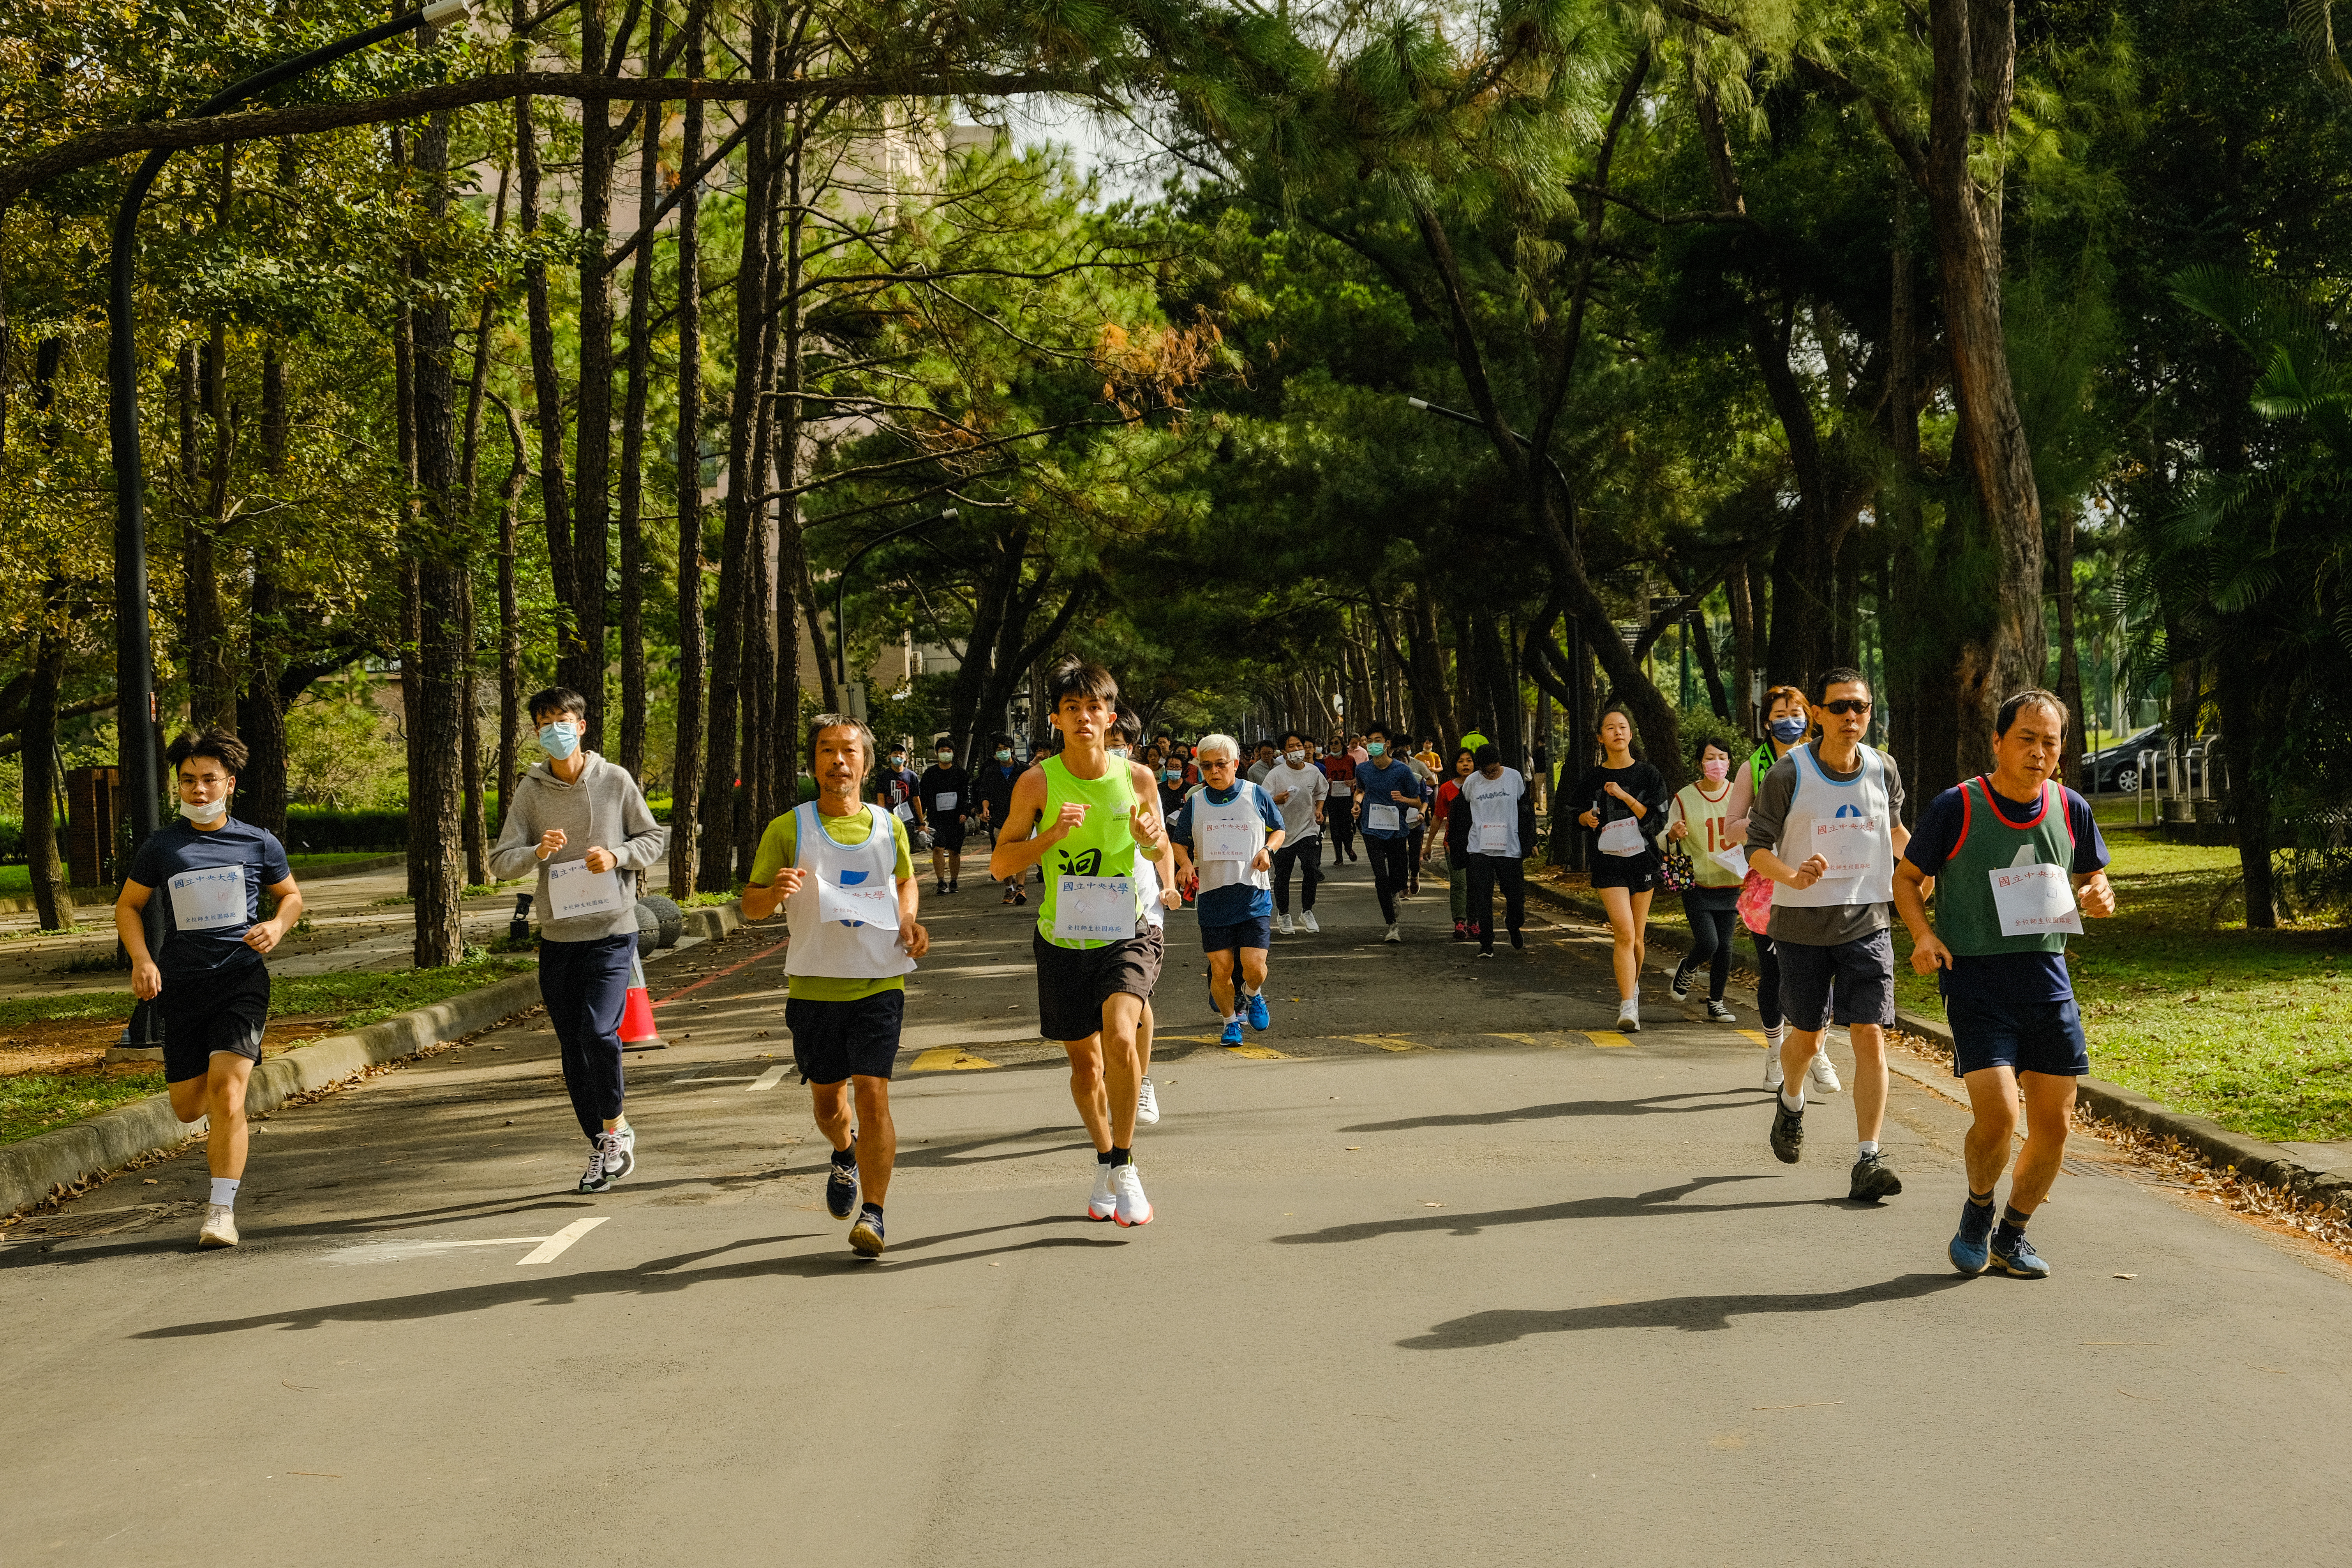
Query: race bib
[
  {"x": 1342, "y": 790},
  {"x": 2034, "y": 900},
  {"x": 944, "y": 801},
  {"x": 1413, "y": 817},
  {"x": 903, "y": 812},
  {"x": 209, "y": 899},
  {"x": 1380, "y": 817},
  {"x": 1094, "y": 908},
  {"x": 1846, "y": 843},
  {"x": 1494, "y": 838},
  {"x": 573, "y": 890},
  {"x": 1622, "y": 837},
  {"x": 1734, "y": 859},
  {"x": 857, "y": 906},
  {"x": 1228, "y": 841}
]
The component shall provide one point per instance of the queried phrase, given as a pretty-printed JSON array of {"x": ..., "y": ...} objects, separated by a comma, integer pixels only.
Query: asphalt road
[{"x": 1452, "y": 1279}]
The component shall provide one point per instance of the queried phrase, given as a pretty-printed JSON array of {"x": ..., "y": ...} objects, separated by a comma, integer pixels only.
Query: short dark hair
[
  {"x": 218, "y": 745},
  {"x": 1290, "y": 736},
  {"x": 1698, "y": 751},
  {"x": 1079, "y": 678},
  {"x": 1127, "y": 727},
  {"x": 557, "y": 699},
  {"x": 1374, "y": 728},
  {"x": 1001, "y": 741},
  {"x": 1486, "y": 755},
  {"x": 2032, "y": 696},
  {"x": 1838, "y": 675},
  {"x": 823, "y": 722},
  {"x": 1266, "y": 743}
]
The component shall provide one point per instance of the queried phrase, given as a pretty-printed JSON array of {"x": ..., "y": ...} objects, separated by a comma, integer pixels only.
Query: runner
[
  {"x": 1786, "y": 725},
  {"x": 900, "y": 792},
  {"x": 1299, "y": 790},
  {"x": 1454, "y": 818},
  {"x": 1628, "y": 798},
  {"x": 566, "y": 811},
  {"x": 1837, "y": 807},
  {"x": 1502, "y": 824},
  {"x": 1226, "y": 838},
  {"x": 946, "y": 793},
  {"x": 1172, "y": 786},
  {"x": 1266, "y": 757},
  {"x": 1156, "y": 903},
  {"x": 1340, "y": 806},
  {"x": 1386, "y": 788},
  {"x": 994, "y": 788},
  {"x": 2009, "y": 871},
  {"x": 841, "y": 872},
  {"x": 209, "y": 982},
  {"x": 1097, "y": 956},
  {"x": 1713, "y": 906},
  {"x": 1416, "y": 818}
]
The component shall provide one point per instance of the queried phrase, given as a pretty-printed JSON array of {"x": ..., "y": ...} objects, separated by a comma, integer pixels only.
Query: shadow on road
[
  {"x": 1663, "y": 1200},
  {"x": 1655, "y": 1105},
  {"x": 1692, "y": 1314}
]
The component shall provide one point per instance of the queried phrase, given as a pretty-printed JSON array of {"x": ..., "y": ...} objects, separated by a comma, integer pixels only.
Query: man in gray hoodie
[{"x": 566, "y": 813}]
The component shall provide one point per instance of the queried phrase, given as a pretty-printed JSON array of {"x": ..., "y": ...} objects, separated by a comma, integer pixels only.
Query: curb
[
  {"x": 2254, "y": 1157},
  {"x": 34, "y": 1168}
]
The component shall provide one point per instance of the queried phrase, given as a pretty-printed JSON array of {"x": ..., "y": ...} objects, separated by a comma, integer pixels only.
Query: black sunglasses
[{"x": 1847, "y": 705}]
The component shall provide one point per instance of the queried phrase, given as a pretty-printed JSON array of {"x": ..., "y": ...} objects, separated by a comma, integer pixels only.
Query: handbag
[
  {"x": 1756, "y": 902},
  {"x": 1675, "y": 872}
]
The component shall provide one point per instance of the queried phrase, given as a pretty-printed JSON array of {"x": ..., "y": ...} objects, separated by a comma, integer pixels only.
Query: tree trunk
[
  {"x": 435, "y": 784},
  {"x": 1743, "y": 651},
  {"x": 1703, "y": 638},
  {"x": 39, "y": 740},
  {"x": 791, "y": 547},
  {"x": 685, "y": 818},
  {"x": 1901, "y": 519},
  {"x": 2069, "y": 665},
  {"x": 469, "y": 736},
  {"x": 261, "y": 709},
  {"x": 1975, "y": 46},
  {"x": 633, "y": 428},
  {"x": 547, "y": 390},
  {"x": 2249, "y": 712},
  {"x": 580, "y": 659},
  {"x": 510, "y": 714}
]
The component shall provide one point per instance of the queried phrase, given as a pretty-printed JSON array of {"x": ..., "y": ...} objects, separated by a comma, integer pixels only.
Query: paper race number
[
  {"x": 1228, "y": 841},
  {"x": 1380, "y": 817},
  {"x": 856, "y": 906},
  {"x": 2034, "y": 900},
  {"x": 573, "y": 890},
  {"x": 1494, "y": 837},
  {"x": 1094, "y": 908},
  {"x": 1622, "y": 837},
  {"x": 1846, "y": 843},
  {"x": 209, "y": 899}
]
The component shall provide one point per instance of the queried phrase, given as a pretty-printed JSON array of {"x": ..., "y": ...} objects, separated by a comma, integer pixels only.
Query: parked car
[{"x": 2116, "y": 769}]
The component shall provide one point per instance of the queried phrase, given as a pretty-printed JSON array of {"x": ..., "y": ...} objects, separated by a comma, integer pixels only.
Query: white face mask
[
  {"x": 946, "y": 757},
  {"x": 1294, "y": 758},
  {"x": 1118, "y": 751},
  {"x": 205, "y": 814}
]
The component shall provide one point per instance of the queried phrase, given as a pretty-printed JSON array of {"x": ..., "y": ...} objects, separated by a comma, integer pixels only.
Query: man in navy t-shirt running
[{"x": 209, "y": 982}]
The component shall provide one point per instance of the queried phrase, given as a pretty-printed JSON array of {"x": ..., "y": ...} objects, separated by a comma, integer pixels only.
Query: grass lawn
[{"x": 39, "y": 1102}]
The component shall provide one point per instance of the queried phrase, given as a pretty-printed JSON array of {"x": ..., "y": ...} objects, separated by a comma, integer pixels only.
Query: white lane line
[
  {"x": 553, "y": 1247},
  {"x": 772, "y": 1077}
]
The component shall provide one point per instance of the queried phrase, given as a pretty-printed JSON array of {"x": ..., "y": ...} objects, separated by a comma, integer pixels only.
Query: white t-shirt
[
  {"x": 1306, "y": 785},
  {"x": 1494, "y": 805}
]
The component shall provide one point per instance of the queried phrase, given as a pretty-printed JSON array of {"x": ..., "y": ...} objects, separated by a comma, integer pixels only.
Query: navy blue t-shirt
[
  {"x": 1238, "y": 902},
  {"x": 179, "y": 849},
  {"x": 1373, "y": 782},
  {"x": 2004, "y": 977}
]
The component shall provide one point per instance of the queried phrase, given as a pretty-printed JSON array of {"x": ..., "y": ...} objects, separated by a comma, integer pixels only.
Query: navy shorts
[
  {"x": 2027, "y": 1036},
  {"x": 1256, "y": 931},
  {"x": 834, "y": 1040},
  {"x": 1851, "y": 983},
  {"x": 206, "y": 1014}
]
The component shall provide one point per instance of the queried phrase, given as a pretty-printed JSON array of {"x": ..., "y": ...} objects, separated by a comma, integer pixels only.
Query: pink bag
[{"x": 1756, "y": 902}]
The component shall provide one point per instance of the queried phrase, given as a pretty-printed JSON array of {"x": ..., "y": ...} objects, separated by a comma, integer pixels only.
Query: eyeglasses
[{"x": 1845, "y": 705}]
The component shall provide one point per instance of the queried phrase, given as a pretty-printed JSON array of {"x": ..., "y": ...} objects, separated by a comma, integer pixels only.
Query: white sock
[
  {"x": 225, "y": 1191},
  {"x": 1248, "y": 990},
  {"x": 1798, "y": 1103},
  {"x": 1867, "y": 1147},
  {"x": 1774, "y": 1034}
]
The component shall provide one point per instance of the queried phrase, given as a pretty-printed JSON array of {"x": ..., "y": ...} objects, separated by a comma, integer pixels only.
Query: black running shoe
[
  {"x": 1020, "y": 898},
  {"x": 866, "y": 1236},
  {"x": 841, "y": 1189},
  {"x": 1519, "y": 940},
  {"x": 1788, "y": 1135},
  {"x": 1874, "y": 1179}
]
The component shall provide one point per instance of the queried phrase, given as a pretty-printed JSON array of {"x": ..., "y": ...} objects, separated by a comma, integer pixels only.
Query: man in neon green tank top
[
  {"x": 1097, "y": 957},
  {"x": 2016, "y": 861}
]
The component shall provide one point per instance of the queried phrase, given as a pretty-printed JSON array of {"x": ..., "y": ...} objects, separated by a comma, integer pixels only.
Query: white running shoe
[
  {"x": 1306, "y": 922},
  {"x": 1393, "y": 935},
  {"x": 1629, "y": 1015},
  {"x": 220, "y": 1227},
  {"x": 1147, "y": 1105},
  {"x": 1282, "y": 925},
  {"x": 1103, "y": 1204},
  {"x": 620, "y": 1153},
  {"x": 1134, "y": 1208},
  {"x": 1823, "y": 1075},
  {"x": 593, "y": 1179},
  {"x": 1772, "y": 1076}
]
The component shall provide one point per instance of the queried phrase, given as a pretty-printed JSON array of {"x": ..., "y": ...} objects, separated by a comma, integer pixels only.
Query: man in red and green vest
[{"x": 2016, "y": 861}]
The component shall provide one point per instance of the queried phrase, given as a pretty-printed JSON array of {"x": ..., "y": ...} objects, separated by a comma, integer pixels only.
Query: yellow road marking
[
  {"x": 1256, "y": 1053},
  {"x": 947, "y": 1059},
  {"x": 1388, "y": 1042},
  {"x": 1607, "y": 1039},
  {"x": 1184, "y": 1039},
  {"x": 1556, "y": 1039},
  {"x": 1757, "y": 1035}
]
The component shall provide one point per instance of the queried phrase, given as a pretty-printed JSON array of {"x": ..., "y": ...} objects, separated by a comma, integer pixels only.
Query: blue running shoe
[
  {"x": 2014, "y": 1255},
  {"x": 1232, "y": 1035},
  {"x": 1258, "y": 1017},
  {"x": 1968, "y": 1248}
]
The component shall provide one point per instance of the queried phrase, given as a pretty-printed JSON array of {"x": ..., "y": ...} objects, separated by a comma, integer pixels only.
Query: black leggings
[
  {"x": 1767, "y": 981},
  {"x": 1339, "y": 822},
  {"x": 1710, "y": 939},
  {"x": 1388, "y": 871}
]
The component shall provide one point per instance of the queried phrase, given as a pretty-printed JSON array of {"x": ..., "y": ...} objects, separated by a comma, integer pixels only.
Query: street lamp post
[
  {"x": 841, "y": 586},
  {"x": 135, "y": 714}
]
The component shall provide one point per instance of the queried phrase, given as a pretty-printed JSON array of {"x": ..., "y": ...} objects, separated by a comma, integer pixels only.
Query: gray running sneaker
[
  {"x": 1788, "y": 1134},
  {"x": 1874, "y": 1179}
]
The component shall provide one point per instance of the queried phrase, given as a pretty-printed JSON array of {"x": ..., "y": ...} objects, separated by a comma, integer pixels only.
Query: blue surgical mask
[
  {"x": 1376, "y": 749},
  {"x": 560, "y": 739},
  {"x": 1003, "y": 755},
  {"x": 1788, "y": 731},
  {"x": 1118, "y": 751},
  {"x": 1171, "y": 774}
]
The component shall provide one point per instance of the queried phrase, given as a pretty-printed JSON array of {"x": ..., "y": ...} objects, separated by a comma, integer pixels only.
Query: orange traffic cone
[{"x": 637, "y": 1031}]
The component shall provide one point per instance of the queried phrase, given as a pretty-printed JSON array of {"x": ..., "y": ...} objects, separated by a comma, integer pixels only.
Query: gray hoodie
[{"x": 602, "y": 808}]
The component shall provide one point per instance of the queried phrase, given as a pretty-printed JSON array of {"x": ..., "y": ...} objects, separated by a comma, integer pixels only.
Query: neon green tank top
[{"x": 1101, "y": 845}]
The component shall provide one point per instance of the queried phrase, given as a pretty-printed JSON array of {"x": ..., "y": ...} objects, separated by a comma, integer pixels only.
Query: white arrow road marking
[
  {"x": 552, "y": 1248},
  {"x": 772, "y": 1077},
  {"x": 393, "y": 1248}
]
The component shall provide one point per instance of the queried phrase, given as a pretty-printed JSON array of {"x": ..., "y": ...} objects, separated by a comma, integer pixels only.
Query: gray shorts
[{"x": 1851, "y": 983}]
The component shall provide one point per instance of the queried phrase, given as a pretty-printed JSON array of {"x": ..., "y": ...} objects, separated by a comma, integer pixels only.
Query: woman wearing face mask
[
  {"x": 1697, "y": 820},
  {"x": 946, "y": 794},
  {"x": 1785, "y": 725},
  {"x": 1454, "y": 819},
  {"x": 994, "y": 788},
  {"x": 1629, "y": 800}
]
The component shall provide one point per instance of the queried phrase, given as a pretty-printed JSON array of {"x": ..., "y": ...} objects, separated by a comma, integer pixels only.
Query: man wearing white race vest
[
  {"x": 1502, "y": 820},
  {"x": 1826, "y": 828},
  {"x": 1226, "y": 837},
  {"x": 844, "y": 875},
  {"x": 583, "y": 821}
]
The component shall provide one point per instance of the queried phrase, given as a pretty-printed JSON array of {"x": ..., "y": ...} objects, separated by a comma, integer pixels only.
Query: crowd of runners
[{"x": 1801, "y": 844}]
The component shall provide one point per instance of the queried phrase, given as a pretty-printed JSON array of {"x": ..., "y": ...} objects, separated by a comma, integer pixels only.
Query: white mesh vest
[
  {"x": 1239, "y": 812},
  {"x": 830, "y": 948},
  {"x": 1820, "y": 798}
]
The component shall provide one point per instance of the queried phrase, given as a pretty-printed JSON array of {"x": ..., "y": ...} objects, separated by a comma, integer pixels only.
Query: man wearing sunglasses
[
  {"x": 1226, "y": 837},
  {"x": 1827, "y": 827}
]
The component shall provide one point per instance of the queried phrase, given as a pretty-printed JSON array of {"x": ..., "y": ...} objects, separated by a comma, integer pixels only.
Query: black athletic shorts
[
  {"x": 223, "y": 1011},
  {"x": 947, "y": 833},
  {"x": 2028, "y": 1036},
  {"x": 1634, "y": 873},
  {"x": 1848, "y": 983},
  {"x": 834, "y": 1040},
  {"x": 1073, "y": 982}
]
